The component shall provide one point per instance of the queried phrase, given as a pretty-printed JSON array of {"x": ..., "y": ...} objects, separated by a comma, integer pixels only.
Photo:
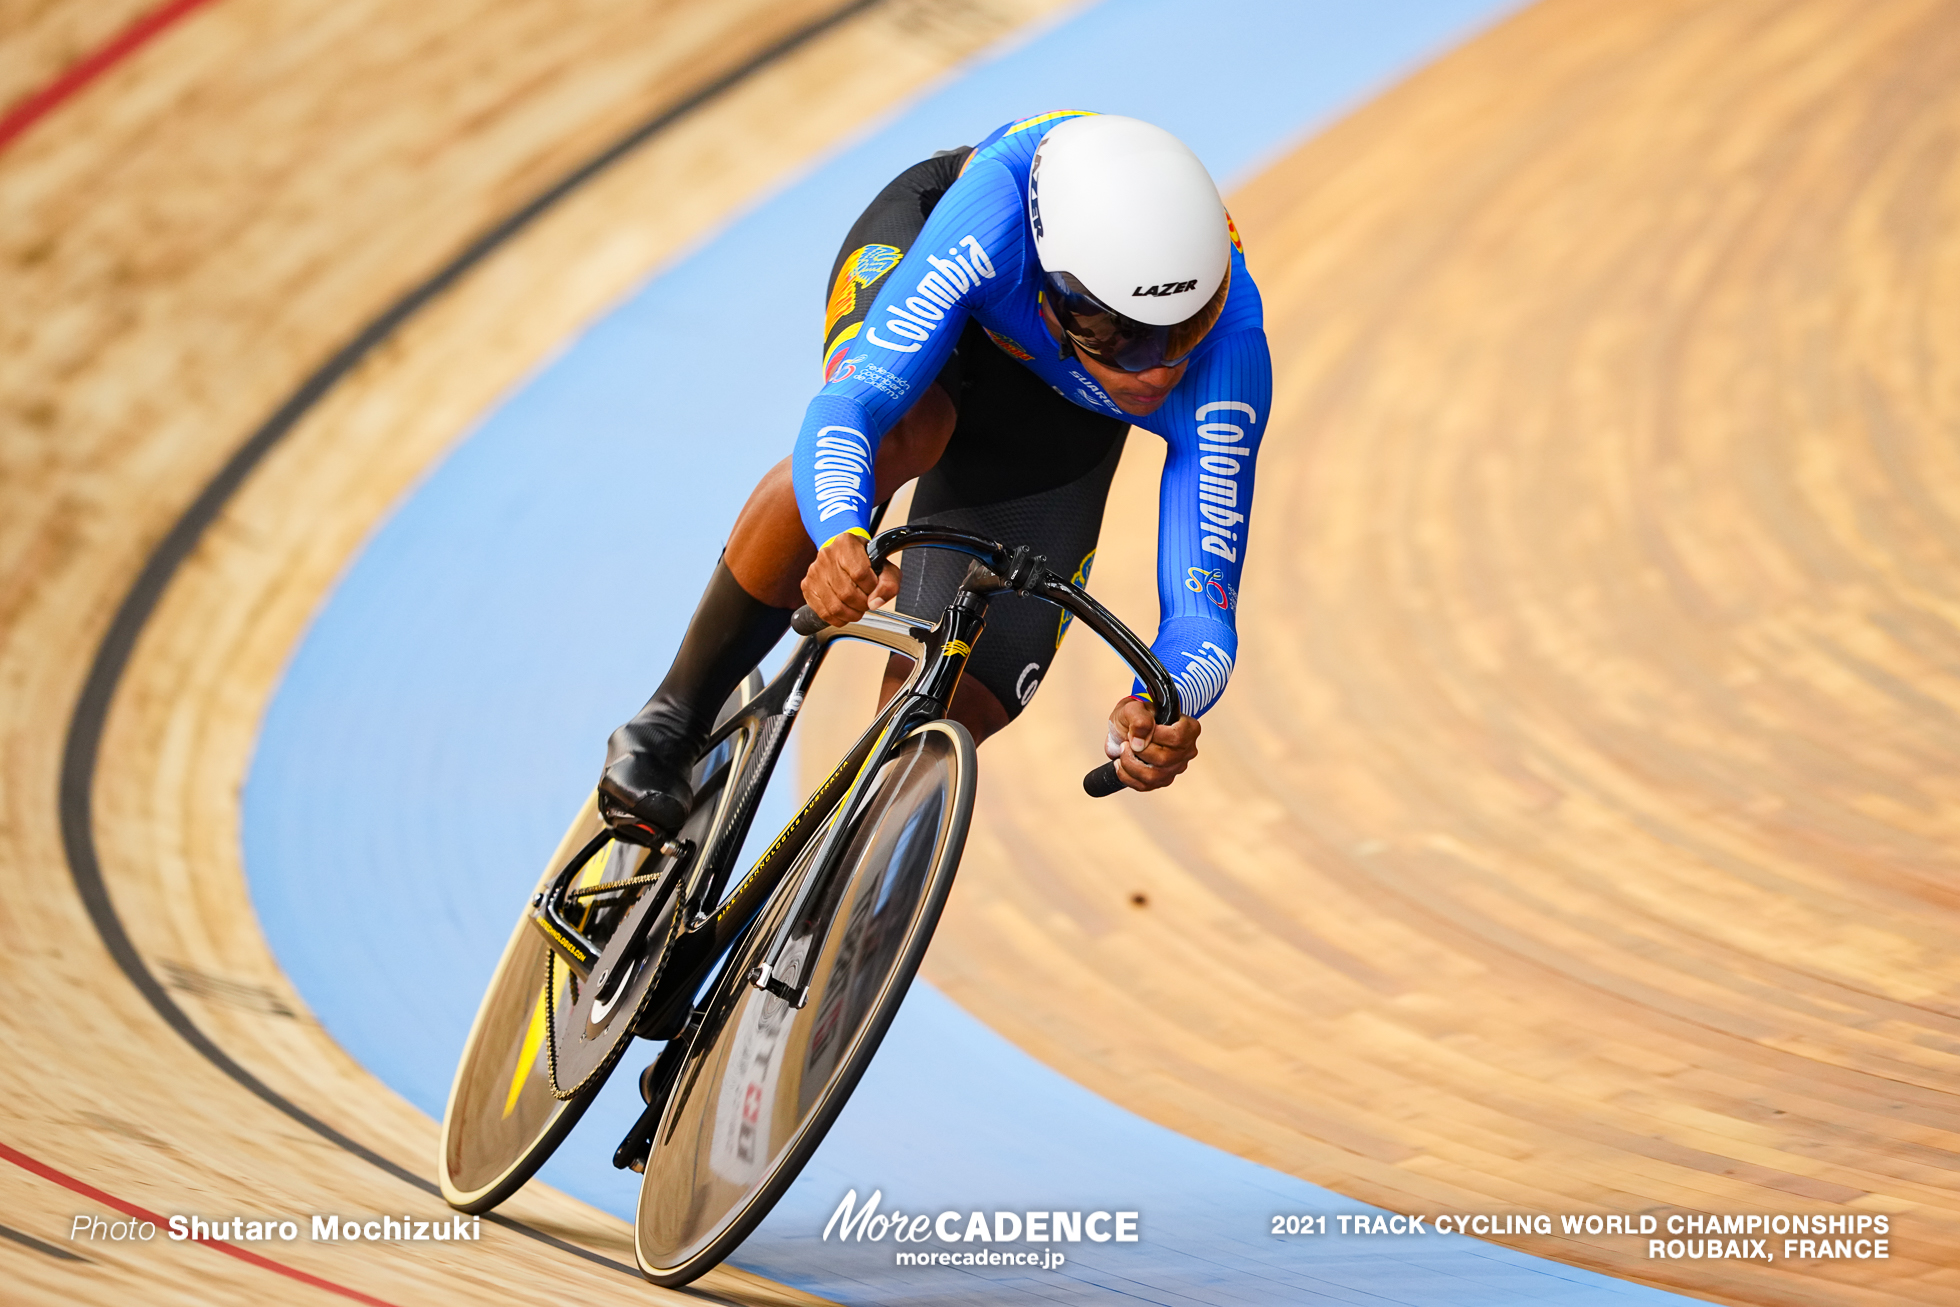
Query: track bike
[{"x": 773, "y": 992}]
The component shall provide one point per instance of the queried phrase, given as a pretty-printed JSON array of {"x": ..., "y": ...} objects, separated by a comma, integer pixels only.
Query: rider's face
[{"x": 1137, "y": 393}]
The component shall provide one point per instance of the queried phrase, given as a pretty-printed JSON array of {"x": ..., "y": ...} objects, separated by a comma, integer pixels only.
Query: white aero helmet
[{"x": 1132, "y": 239}]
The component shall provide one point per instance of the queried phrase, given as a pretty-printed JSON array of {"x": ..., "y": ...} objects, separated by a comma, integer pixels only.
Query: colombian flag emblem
[
  {"x": 835, "y": 366},
  {"x": 1008, "y": 345}
]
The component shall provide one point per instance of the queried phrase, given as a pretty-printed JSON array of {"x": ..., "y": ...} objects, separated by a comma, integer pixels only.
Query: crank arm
[
  {"x": 572, "y": 948},
  {"x": 548, "y": 915}
]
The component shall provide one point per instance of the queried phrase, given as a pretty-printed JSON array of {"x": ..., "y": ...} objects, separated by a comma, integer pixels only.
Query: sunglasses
[{"x": 1121, "y": 342}]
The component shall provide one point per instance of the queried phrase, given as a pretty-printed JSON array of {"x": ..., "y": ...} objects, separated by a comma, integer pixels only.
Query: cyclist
[{"x": 998, "y": 319}]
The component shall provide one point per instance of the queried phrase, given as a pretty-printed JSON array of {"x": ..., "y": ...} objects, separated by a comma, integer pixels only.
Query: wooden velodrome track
[
  {"x": 1582, "y": 829},
  {"x": 185, "y": 242},
  {"x": 1575, "y": 836}
]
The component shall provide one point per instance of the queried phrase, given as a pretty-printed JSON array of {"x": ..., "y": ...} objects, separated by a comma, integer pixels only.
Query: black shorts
[{"x": 1024, "y": 465}]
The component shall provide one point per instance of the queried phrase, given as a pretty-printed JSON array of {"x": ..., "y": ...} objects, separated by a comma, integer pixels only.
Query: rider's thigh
[
  {"x": 1025, "y": 467},
  {"x": 768, "y": 550},
  {"x": 916, "y": 441}
]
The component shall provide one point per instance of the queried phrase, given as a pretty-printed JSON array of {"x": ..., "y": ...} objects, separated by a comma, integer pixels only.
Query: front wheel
[{"x": 763, "y": 1081}]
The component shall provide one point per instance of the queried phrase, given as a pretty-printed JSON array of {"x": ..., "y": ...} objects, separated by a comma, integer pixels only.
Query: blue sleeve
[
  {"x": 970, "y": 250},
  {"x": 1212, "y": 425}
]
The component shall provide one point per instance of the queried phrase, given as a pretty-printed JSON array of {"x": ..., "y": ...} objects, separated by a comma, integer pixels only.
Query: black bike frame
[
  {"x": 929, "y": 691},
  {"x": 714, "y": 922}
]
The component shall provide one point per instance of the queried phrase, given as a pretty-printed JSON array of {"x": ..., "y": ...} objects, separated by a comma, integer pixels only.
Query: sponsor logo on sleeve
[
  {"x": 843, "y": 471},
  {"x": 936, "y": 295},
  {"x": 1090, "y": 395},
  {"x": 1203, "y": 678},
  {"x": 1212, "y": 584},
  {"x": 1232, "y": 230},
  {"x": 883, "y": 379},
  {"x": 1221, "y": 447},
  {"x": 866, "y": 373},
  {"x": 840, "y": 365},
  {"x": 864, "y": 266}
]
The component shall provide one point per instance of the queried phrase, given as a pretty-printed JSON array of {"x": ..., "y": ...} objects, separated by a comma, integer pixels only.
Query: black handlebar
[
  {"x": 1157, "y": 683},
  {"x": 1102, "y": 782},
  {"x": 1028, "y": 573},
  {"x": 991, "y": 552}
]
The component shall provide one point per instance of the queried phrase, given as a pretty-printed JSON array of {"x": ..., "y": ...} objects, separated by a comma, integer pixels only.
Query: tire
[
  {"x": 502, "y": 1120},
  {"x": 763, "y": 1082}
]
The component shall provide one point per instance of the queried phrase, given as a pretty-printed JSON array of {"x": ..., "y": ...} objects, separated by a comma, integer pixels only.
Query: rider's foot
[
  {"x": 644, "y": 788},
  {"x": 644, "y": 792}
]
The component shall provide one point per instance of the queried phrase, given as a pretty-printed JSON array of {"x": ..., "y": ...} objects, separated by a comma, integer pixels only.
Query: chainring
[
  {"x": 594, "y": 1036},
  {"x": 584, "y": 1039}
]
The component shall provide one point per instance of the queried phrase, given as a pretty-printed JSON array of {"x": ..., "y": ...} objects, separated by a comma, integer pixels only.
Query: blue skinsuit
[{"x": 975, "y": 258}]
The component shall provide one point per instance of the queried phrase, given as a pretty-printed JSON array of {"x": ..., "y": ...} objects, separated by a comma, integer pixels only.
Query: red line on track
[
  {"x": 66, "y": 1181},
  {"x": 132, "y": 38}
]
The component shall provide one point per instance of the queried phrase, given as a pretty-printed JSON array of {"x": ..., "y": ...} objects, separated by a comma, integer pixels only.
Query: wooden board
[
  {"x": 181, "y": 245},
  {"x": 1580, "y": 833},
  {"x": 41, "y": 39}
]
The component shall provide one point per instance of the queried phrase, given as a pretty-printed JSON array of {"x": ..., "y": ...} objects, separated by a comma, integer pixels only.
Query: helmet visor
[{"x": 1121, "y": 342}]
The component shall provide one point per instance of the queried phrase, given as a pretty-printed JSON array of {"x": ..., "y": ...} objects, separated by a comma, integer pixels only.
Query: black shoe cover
[{"x": 644, "y": 793}]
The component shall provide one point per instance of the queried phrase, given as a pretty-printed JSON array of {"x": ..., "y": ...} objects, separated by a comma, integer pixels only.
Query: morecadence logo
[{"x": 955, "y": 1229}]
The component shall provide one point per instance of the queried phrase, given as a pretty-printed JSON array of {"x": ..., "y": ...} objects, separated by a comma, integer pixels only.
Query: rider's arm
[
  {"x": 970, "y": 249},
  {"x": 1212, "y": 425}
]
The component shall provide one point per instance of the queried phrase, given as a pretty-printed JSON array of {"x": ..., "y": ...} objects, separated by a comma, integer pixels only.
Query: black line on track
[
  {"x": 83, "y": 745},
  {"x": 39, "y": 1245}
]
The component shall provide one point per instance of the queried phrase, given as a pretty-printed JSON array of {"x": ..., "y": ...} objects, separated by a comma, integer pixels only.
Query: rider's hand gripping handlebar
[
  {"x": 1159, "y": 688},
  {"x": 1028, "y": 573}
]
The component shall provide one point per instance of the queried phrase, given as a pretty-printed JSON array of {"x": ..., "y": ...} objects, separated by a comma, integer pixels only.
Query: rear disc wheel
[{"x": 503, "y": 1119}]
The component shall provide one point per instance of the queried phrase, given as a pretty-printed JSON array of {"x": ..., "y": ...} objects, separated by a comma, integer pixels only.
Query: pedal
[
  {"x": 637, "y": 1146},
  {"x": 656, "y": 1085}
]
